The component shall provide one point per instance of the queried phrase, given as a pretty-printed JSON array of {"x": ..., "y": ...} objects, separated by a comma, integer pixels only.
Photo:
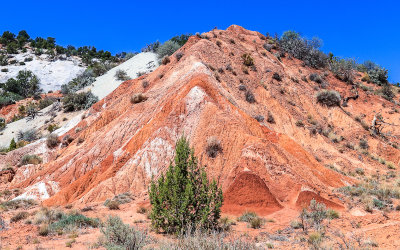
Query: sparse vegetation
[
  {"x": 78, "y": 101},
  {"x": 329, "y": 98},
  {"x": 315, "y": 77},
  {"x": 112, "y": 205},
  {"x": 19, "y": 216},
  {"x": 252, "y": 219},
  {"x": 52, "y": 141},
  {"x": 306, "y": 50},
  {"x": 31, "y": 159},
  {"x": 121, "y": 75},
  {"x": 117, "y": 235},
  {"x": 247, "y": 60},
  {"x": 138, "y": 98},
  {"x": 29, "y": 135},
  {"x": 277, "y": 77},
  {"x": 167, "y": 49},
  {"x": 213, "y": 147},
  {"x": 250, "y": 97},
  {"x": 17, "y": 204},
  {"x": 343, "y": 69}
]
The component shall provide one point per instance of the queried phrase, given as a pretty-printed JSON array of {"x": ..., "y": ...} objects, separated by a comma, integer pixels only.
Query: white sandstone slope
[
  {"x": 105, "y": 84},
  {"x": 51, "y": 73}
]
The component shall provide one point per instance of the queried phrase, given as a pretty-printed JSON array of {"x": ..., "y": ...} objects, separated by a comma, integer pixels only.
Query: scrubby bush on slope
[
  {"x": 167, "y": 49},
  {"x": 303, "y": 49},
  {"x": 79, "y": 101}
]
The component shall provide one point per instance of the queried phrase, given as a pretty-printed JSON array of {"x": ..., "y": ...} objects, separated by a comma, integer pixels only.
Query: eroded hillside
[{"x": 278, "y": 148}]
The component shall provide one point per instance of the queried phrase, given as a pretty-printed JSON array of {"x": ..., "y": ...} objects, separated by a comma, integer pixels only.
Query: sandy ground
[
  {"x": 105, "y": 84},
  {"x": 52, "y": 74}
]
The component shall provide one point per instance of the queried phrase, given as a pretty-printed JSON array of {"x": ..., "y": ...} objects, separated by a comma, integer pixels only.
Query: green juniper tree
[{"x": 184, "y": 198}]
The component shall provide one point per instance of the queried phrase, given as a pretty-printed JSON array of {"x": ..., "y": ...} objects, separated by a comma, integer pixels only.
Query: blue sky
[{"x": 357, "y": 29}]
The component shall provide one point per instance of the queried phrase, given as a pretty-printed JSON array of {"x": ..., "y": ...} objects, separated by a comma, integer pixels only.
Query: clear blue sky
[{"x": 362, "y": 30}]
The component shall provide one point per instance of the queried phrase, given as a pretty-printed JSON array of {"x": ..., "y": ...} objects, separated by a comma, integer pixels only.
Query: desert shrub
[
  {"x": 118, "y": 235},
  {"x": 52, "y": 141},
  {"x": 376, "y": 74},
  {"x": 32, "y": 110},
  {"x": 242, "y": 87},
  {"x": 329, "y": 98},
  {"x": 259, "y": 118},
  {"x": 360, "y": 171},
  {"x": 72, "y": 221},
  {"x": 113, "y": 205},
  {"x": 175, "y": 197},
  {"x": 178, "y": 56},
  {"x": 53, "y": 127},
  {"x": 7, "y": 98},
  {"x": 47, "y": 216},
  {"x": 152, "y": 47},
  {"x": 315, "y": 77},
  {"x": 226, "y": 223},
  {"x": 66, "y": 140},
  {"x": 201, "y": 240},
  {"x": 363, "y": 144},
  {"x": 247, "y": 216},
  {"x": 296, "y": 224},
  {"x": 44, "y": 230},
  {"x": 247, "y": 60},
  {"x": 256, "y": 223},
  {"x": 299, "y": 123},
  {"x": 303, "y": 49},
  {"x": 145, "y": 84},
  {"x": 30, "y": 159},
  {"x": 19, "y": 216},
  {"x": 213, "y": 147},
  {"x": 29, "y": 135},
  {"x": 343, "y": 69},
  {"x": 314, "y": 215},
  {"x": 315, "y": 240},
  {"x": 270, "y": 118},
  {"x": 165, "y": 60},
  {"x": 121, "y": 75},
  {"x": 387, "y": 92},
  {"x": 141, "y": 210},
  {"x": 332, "y": 214},
  {"x": 79, "y": 101},
  {"x": 17, "y": 204},
  {"x": 269, "y": 47},
  {"x": 277, "y": 77},
  {"x": 79, "y": 82},
  {"x": 44, "y": 103},
  {"x": 250, "y": 97},
  {"x": 168, "y": 48},
  {"x": 123, "y": 198},
  {"x": 252, "y": 219},
  {"x": 181, "y": 39},
  {"x": 100, "y": 68},
  {"x": 137, "y": 98}
]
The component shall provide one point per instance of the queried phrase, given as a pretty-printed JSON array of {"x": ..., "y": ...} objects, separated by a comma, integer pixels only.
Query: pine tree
[{"x": 184, "y": 198}]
